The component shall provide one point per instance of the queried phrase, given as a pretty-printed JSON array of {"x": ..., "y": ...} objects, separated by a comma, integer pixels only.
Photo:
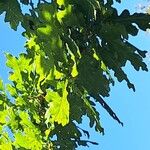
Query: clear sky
[{"x": 133, "y": 108}]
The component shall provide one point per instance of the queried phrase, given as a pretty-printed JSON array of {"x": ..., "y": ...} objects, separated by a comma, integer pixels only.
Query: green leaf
[
  {"x": 94, "y": 116},
  {"x": 25, "y": 139},
  {"x": 72, "y": 48},
  {"x": 64, "y": 13},
  {"x": 58, "y": 110},
  {"x": 91, "y": 76},
  {"x": 3, "y": 118},
  {"x": 13, "y": 12},
  {"x": 25, "y": 2},
  {"x": 142, "y": 20},
  {"x": 1, "y": 85},
  {"x": 6, "y": 146},
  {"x": 12, "y": 90},
  {"x": 21, "y": 70}
]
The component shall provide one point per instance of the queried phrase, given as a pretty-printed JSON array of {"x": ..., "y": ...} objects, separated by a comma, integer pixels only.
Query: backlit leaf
[{"x": 58, "y": 106}]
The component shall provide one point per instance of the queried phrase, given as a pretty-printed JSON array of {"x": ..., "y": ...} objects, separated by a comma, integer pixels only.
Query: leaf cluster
[{"x": 71, "y": 48}]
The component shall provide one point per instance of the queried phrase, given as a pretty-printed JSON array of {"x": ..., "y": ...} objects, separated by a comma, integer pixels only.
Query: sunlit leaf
[
  {"x": 58, "y": 106},
  {"x": 72, "y": 52}
]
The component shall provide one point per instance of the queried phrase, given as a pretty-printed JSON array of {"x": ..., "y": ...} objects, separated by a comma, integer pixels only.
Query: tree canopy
[{"x": 74, "y": 50}]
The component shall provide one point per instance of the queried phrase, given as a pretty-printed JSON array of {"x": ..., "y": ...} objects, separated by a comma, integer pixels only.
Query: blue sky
[{"x": 133, "y": 108}]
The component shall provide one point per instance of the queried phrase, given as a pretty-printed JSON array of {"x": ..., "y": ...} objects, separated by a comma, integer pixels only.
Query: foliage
[{"x": 71, "y": 48}]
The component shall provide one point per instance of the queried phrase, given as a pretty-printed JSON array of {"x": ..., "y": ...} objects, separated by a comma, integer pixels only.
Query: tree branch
[{"x": 31, "y": 4}]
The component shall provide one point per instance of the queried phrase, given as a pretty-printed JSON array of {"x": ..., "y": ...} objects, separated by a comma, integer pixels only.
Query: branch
[
  {"x": 31, "y": 4},
  {"x": 39, "y": 1}
]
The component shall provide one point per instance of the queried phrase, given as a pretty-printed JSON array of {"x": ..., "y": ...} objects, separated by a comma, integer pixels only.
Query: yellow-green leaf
[
  {"x": 1, "y": 85},
  {"x": 58, "y": 106}
]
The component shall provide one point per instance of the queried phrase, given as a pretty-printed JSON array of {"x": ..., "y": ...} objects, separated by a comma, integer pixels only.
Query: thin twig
[
  {"x": 39, "y": 1},
  {"x": 32, "y": 4}
]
